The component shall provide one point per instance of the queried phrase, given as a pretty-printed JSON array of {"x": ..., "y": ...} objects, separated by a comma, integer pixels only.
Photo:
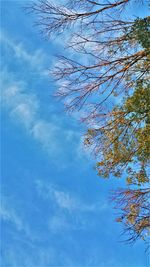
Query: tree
[{"x": 110, "y": 61}]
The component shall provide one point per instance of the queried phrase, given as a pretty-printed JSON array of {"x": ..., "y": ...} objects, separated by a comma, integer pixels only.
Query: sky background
[{"x": 55, "y": 210}]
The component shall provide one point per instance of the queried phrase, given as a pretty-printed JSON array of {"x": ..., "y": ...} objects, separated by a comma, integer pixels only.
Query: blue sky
[{"x": 54, "y": 208}]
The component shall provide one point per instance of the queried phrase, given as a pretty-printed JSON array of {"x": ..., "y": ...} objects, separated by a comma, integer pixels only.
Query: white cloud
[
  {"x": 45, "y": 133},
  {"x": 25, "y": 113},
  {"x": 24, "y": 108},
  {"x": 58, "y": 223},
  {"x": 70, "y": 212},
  {"x": 35, "y": 59},
  {"x": 62, "y": 199},
  {"x": 65, "y": 200},
  {"x": 7, "y": 213}
]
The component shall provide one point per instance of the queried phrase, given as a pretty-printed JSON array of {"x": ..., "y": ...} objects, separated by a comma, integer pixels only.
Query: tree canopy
[{"x": 107, "y": 75}]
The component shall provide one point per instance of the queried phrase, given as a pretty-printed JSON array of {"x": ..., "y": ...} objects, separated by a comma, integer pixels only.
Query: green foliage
[
  {"x": 122, "y": 144},
  {"x": 140, "y": 32}
]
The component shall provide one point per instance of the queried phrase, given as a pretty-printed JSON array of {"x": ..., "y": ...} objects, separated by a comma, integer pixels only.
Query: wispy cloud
[
  {"x": 62, "y": 199},
  {"x": 36, "y": 59},
  {"x": 65, "y": 200},
  {"x": 21, "y": 105},
  {"x": 24, "y": 108},
  {"x": 9, "y": 214},
  {"x": 46, "y": 133},
  {"x": 71, "y": 212}
]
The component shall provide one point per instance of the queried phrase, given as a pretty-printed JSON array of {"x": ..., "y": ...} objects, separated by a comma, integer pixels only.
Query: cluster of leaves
[
  {"x": 134, "y": 206},
  {"x": 123, "y": 143},
  {"x": 140, "y": 32}
]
